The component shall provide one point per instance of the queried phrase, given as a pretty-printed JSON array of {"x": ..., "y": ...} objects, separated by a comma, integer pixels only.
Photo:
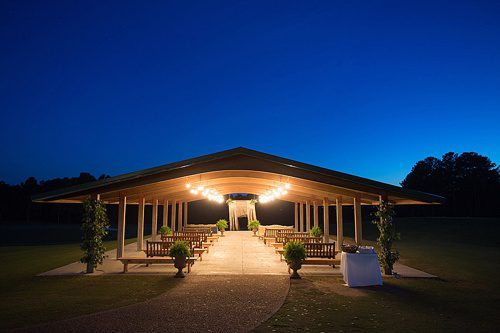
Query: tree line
[
  {"x": 470, "y": 183},
  {"x": 16, "y": 204}
]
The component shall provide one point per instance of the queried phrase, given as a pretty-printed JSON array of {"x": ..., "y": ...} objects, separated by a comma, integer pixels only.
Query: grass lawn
[
  {"x": 464, "y": 253},
  {"x": 28, "y": 299}
]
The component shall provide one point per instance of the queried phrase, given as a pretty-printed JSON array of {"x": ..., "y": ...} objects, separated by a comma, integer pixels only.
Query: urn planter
[
  {"x": 295, "y": 266},
  {"x": 180, "y": 264}
]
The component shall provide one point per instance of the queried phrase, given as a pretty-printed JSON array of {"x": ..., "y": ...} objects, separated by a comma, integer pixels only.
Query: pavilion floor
[{"x": 237, "y": 253}]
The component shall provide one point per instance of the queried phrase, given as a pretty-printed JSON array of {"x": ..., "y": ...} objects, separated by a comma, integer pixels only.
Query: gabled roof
[{"x": 240, "y": 164}]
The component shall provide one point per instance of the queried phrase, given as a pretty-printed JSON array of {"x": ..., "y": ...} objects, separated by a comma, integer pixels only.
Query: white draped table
[{"x": 360, "y": 269}]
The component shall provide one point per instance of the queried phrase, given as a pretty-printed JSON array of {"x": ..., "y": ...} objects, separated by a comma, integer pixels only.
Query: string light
[
  {"x": 270, "y": 195},
  {"x": 209, "y": 193}
]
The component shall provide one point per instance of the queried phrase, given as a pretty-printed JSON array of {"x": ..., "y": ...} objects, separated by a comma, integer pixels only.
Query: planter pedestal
[
  {"x": 180, "y": 264},
  {"x": 295, "y": 266}
]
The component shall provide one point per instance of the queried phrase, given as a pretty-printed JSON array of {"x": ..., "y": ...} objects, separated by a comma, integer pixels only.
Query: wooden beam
[
  {"x": 122, "y": 210},
  {"x": 140, "y": 225},
  {"x": 154, "y": 220},
  {"x": 358, "y": 227},
  {"x": 296, "y": 217},
  {"x": 326, "y": 220},
  {"x": 174, "y": 215},
  {"x": 340, "y": 225},
  {"x": 301, "y": 217},
  {"x": 308, "y": 216},
  {"x": 179, "y": 217},
  {"x": 315, "y": 213},
  {"x": 165, "y": 213}
]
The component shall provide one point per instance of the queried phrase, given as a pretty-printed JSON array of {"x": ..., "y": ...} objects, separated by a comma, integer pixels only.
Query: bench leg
[
  {"x": 189, "y": 266},
  {"x": 125, "y": 267},
  {"x": 201, "y": 256}
]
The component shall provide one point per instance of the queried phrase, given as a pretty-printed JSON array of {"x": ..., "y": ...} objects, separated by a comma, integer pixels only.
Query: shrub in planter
[
  {"x": 387, "y": 236},
  {"x": 164, "y": 231},
  {"x": 221, "y": 225},
  {"x": 294, "y": 254},
  {"x": 254, "y": 226},
  {"x": 316, "y": 232},
  {"x": 180, "y": 250}
]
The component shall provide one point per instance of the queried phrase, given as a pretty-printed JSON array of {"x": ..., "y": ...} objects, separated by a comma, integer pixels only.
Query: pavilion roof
[{"x": 239, "y": 170}]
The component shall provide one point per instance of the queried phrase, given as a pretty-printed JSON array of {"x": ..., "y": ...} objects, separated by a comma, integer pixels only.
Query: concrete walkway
[{"x": 237, "y": 253}]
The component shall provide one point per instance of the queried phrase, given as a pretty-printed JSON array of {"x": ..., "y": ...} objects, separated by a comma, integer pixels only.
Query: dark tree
[{"x": 470, "y": 183}]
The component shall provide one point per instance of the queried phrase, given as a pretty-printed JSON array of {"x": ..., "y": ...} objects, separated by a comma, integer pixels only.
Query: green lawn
[
  {"x": 28, "y": 299},
  {"x": 463, "y": 253}
]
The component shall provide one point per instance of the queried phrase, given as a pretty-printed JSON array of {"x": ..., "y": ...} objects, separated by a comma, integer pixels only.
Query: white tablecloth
[{"x": 360, "y": 269}]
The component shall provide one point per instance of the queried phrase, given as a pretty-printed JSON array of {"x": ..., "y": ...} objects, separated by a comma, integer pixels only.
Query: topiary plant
[
  {"x": 388, "y": 235},
  {"x": 94, "y": 227},
  {"x": 180, "y": 249},
  {"x": 254, "y": 224},
  {"x": 316, "y": 232},
  {"x": 221, "y": 225},
  {"x": 165, "y": 230}
]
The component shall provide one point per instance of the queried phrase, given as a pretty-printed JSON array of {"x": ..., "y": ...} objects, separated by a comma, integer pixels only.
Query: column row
[
  {"x": 304, "y": 225},
  {"x": 178, "y": 219}
]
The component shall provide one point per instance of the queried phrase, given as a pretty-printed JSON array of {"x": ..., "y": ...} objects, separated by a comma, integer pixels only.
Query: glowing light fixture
[{"x": 272, "y": 194}]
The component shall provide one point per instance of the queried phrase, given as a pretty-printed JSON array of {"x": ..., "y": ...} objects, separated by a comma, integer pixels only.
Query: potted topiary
[
  {"x": 294, "y": 254},
  {"x": 180, "y": 251},
  {"x": 222, "y": 226},
  {"x": 164, "y": 232},
  {"x": 254, "y": 226},
  {"x": 316, "y": 232}
]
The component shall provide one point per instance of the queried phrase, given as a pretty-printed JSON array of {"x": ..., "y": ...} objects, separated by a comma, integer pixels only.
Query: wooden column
[
  {"x": 154, "y": 219},
  {"x": 315, "y": 213},
  {"x": 140, "y": 224},
  {"x": 301, "y": 217},
  {"x": 165, "y": 212},
  {"x": 179, "y": 217},
  {"x": 185, "y": 215},
  {"x": 174, "y": 215},
  {"x": 308, "y": 216},
  {"x": 122, "y": 209},
  {"x": 326, "y": 220},
  {"x": 340, "y": 225},
  {"x": 358, "y": 228},
  {"x": 296, "y": 216}
]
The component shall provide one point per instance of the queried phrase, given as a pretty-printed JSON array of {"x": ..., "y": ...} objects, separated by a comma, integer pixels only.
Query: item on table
[
  {"x": 349, "y": 248},
  {"x": 366, "y": 249}
]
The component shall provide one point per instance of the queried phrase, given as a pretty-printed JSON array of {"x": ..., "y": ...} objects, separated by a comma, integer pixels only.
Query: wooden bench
[
  {"x": 320, "y": 254},
  {"x": 271, "y": 233},
  {"x": 152, "y": 260},
  {"x": 301, "y": 237},
  {"x": 196, "y": 242},
  {"x": 262, "y": 229},
  {"x": 205, "y": 237},
  {"x": 156, "y": 253}
]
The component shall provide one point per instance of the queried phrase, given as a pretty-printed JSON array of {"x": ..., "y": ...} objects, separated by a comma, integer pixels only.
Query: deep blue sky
[{"x": 367, "y": 88}]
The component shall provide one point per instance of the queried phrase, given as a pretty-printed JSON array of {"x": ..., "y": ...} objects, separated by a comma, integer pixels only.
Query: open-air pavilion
[{"x": 239, "y": 170}]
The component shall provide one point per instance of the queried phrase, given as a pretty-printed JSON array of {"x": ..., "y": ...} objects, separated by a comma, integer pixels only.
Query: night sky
[{"x": 364, "y": 87}]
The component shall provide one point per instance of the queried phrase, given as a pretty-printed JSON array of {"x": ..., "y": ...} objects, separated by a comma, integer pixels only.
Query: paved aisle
[{"x": 238, "y": 252}]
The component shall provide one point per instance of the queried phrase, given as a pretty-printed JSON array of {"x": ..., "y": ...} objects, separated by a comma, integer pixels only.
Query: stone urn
[
  {"x": 163, "y": 237},
  {"x": 180, "y": 264},
  {"x": 295, "y": 266},
  {"x": 255, "y": 231},
  {"x": 222, "y": 232}
]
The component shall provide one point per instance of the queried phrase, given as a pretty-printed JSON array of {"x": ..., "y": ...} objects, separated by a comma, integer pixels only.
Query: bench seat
[{"x": 152, "y": 260}]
